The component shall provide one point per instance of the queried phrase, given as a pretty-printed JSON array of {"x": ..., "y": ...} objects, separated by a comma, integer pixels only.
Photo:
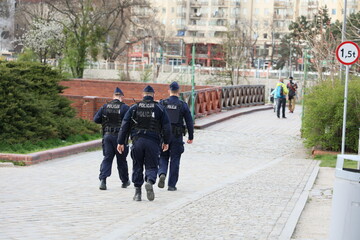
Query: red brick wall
[
  {"x": 104, "y": 88},
  {"x": 89, "y": 95}
]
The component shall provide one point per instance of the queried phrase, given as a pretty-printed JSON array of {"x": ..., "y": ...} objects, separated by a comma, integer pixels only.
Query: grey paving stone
[{"x": 240, "y": 179}]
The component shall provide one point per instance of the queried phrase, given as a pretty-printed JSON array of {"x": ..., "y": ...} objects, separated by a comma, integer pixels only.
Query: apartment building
[
  {"x": 7, "y": 16},
  {"x": 203, "y": 23}
]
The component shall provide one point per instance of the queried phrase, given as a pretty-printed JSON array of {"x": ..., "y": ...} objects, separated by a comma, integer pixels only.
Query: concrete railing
[
  {"x": 242, "y": 96},
  {"x": 216, "y": 99}
]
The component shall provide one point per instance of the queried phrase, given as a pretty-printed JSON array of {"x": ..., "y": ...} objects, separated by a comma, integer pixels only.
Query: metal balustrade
[{"x": 216, "y": 99}]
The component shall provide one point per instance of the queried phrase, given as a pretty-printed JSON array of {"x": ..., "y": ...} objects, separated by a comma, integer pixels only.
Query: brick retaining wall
[{"x": 89, "y": 95}]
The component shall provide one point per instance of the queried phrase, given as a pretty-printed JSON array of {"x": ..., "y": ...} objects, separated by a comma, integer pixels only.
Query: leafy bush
[
  {"x": 323, "y": 116},
  {"x": 32, "y": 108}
]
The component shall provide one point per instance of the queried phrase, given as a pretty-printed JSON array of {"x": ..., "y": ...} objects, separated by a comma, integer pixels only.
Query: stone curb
[
  {"x": 37, "y": 157},
  {"x": 294, "y": 217}
]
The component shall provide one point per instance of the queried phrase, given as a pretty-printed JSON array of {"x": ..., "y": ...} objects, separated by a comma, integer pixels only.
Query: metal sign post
[{"x": 347, "y": 53}]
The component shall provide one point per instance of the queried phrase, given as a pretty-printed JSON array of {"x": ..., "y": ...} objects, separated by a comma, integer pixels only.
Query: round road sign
[{"x": 347, "y": 53}]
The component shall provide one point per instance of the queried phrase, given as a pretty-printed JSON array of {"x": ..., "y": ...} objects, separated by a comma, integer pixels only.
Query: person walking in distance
[
  {"x": 110, "y": 116},
  {"x": 178, "y": 111},
  {"x": 281, "y": 92},
  {"x": 148, "y": 125},
  {"x": 292, "y": 94}
]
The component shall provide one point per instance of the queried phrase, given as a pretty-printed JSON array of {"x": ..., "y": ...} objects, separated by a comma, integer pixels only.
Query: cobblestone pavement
[{"x": 240, "y": 179}]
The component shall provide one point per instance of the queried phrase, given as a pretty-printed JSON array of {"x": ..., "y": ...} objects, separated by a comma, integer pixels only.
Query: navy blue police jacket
[
  {"x": 160, "y": 115},
  {"x": 184, "y": 113},
  {"x": 98, "y": 118}
]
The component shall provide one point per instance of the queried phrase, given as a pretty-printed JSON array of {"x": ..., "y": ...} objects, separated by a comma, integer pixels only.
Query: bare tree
[
  {"x": 237, "y": 47},
  {"x": 92, "y": 25}
]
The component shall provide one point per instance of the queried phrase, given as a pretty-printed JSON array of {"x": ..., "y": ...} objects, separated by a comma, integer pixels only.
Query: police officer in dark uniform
[
  {"x": 178, "y": 111},
  {"x": 149, "y": 126},
  {"x": 110, "y": 117}
]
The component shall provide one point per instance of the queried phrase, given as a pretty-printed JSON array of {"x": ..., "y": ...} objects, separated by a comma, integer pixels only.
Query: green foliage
[
  {"x": 32, "y": 109},
  {"x": 146, "y": 75},
  {"x": 323, "y": 116},
  {"x": 82, "y": 39},
  {"x": 328, "y": 160},
  {"x": 28, "y": 56},
  {"x": 122, "y": 76}
]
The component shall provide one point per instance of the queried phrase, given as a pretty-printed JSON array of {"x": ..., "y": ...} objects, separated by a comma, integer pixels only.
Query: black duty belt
[{"x": 112, "y": 133}]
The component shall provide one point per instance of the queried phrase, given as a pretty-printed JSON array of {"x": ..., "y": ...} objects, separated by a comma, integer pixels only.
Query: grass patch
[
  {"x": 330, "y": 161},
  {"x": 30, "y": 147}
]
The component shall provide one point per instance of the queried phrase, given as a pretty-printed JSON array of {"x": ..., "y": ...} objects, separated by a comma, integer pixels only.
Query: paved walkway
[{"x": 241, "y": 179}]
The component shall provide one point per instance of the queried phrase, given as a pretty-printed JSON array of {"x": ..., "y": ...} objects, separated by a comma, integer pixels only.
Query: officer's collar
[
  {"x": 148, "y": 98},
  {"x": 173, "y": 96}
]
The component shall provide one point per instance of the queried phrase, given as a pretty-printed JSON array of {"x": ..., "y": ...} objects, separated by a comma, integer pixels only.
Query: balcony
[
  {"x": 198, "y": 15},
  {"x": 219, "y": 15},
  {"x": 180, "y": 26},
  {"x": 181, "y": 3},
  {"x": 219, "y": 3},
  {"x": 313, "y": 4},
  {"x": 197, "y": 3},
  {"x": 181, "y": 15},
  {"x": 280, "y": 4}
]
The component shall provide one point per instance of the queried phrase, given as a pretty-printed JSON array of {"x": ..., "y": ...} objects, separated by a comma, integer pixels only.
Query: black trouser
[
  {"x": 109, "y": 151},
  {"x": 281, "y": 104}
]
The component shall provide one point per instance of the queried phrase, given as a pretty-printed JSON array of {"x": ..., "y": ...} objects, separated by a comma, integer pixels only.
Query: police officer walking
[
  {"x": 110, "y": 116},
  {"x": 149, "y": 125},
  {"x": 178, "y": 111}
]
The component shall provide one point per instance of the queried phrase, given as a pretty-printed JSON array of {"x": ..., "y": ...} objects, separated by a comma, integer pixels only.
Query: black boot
[
  {"x": 149, "y": 191},
  {"x": 125, "y": 185},
  {"x": 137, "y": 196},
  {"x": 161, "y": 183},
  {"x": 102, "y": 184}
]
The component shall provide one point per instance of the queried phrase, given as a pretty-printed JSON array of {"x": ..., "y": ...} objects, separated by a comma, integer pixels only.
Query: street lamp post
[
  {"x": 303, "y": 88},
  {"x": 193, "y": 83},
  {"x": 127, "y": 60},
  {"x": 290, "y": 56}
]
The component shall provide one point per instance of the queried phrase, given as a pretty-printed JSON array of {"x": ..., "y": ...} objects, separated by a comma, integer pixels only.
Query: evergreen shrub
[
  {"x": 32, "y": 110},
  {"x": 323, "y": 115}
]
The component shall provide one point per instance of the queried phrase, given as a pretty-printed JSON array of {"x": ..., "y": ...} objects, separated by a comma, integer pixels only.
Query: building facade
[{"x": 204, "y": 23}]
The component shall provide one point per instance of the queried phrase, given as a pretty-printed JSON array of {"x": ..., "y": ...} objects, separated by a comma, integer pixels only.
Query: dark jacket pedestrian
[
  {"x": 110, "y": 116},
  {"x": 149, "y": 127},
  {"x": 178, "y": 112},
  {"x": 292, "y": 86}
]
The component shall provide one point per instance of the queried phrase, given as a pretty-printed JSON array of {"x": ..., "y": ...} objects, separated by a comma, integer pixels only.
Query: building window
[
  {"x": 172, "y": 9},
  {"x": 244, "y": 11},
  {"x": 257, "y": 11},
  {"x": 333, "y": 11},
  {"x": 265, "y": 35},
  {"x": 266, "y": 11}
]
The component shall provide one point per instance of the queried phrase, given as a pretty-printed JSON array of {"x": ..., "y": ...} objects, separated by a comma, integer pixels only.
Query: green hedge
[
  {"x": 32, "y": 108},
  {"x": 323, "y": 116}
]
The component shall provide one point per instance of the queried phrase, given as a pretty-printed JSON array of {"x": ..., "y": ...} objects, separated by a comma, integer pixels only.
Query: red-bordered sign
[{"x": 347, "y": 53}]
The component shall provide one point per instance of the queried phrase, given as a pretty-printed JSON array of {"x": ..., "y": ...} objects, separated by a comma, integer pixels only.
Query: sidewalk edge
[
  {"x": 205, "y": 125},
  {"x": 294, "y": 217},
  {"x": 37, "y": 157}
]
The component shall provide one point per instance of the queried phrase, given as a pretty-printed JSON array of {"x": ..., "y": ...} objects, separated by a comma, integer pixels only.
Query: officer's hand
[
  {"x": 165, "y": 147},
  {"x": 189, "y": 141},
  {"x": 120, "y": 148}
]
